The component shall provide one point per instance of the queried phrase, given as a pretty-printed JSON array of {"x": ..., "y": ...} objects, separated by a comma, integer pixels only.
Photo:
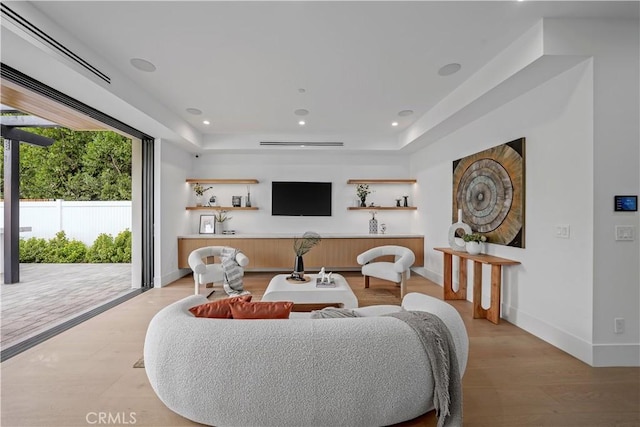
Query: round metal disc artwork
[
  {"x": 489, "y": 188},
  {"x": 487, "y": 193}
]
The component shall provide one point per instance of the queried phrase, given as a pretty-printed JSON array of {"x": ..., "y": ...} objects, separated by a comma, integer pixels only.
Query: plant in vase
[
  {"x": 199, "y": 190},
  {"x": 301, "y": 246},
  {"x": 221, "y": 218},
  {"x": 362, "y": 191},
  {"x": 473, "y": 242}
]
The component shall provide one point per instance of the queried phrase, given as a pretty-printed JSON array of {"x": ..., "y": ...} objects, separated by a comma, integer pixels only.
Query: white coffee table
[{"x": 280, "y": 289}]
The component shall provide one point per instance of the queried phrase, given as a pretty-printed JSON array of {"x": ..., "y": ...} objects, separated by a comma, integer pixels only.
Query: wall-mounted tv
[{"x": 289, "y": 198}]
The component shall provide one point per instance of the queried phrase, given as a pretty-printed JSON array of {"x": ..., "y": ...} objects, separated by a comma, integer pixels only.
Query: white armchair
[
  {"x": 396, "y": 272},
  {"x": 210, "y": 273}
]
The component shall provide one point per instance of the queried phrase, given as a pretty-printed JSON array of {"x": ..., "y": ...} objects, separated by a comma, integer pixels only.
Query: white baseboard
[
  {"x": 171, "y": 277},
  {"x": 599, "y": 355},
  {"x": 575, "y": 346},
  {"x": 616, "y": 355},
  {"x": 428, "y": 274}
]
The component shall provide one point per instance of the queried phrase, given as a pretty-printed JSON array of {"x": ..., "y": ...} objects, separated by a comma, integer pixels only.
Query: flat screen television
[{"x": 289, "y": 198}]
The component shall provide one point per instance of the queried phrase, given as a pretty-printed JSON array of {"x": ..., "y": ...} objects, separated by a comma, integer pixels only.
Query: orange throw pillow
[
  {"x": 218, "y": 309},
  {"x": 261, "y": 310}
]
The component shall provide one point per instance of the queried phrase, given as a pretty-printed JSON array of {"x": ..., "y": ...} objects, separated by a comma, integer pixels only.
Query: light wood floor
[{"x": 512, "y": 378}]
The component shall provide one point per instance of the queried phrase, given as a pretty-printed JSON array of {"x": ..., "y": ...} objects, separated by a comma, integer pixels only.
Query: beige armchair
[
  {"x": 210, "y": 273},
  {"x": 396, "y": 271}
]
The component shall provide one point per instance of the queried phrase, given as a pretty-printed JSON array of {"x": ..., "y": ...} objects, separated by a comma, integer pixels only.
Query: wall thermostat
[{"x": 625, "y": 203}]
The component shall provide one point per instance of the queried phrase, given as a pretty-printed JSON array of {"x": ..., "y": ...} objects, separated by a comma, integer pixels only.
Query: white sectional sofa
[{"x": 364, "y": 371}]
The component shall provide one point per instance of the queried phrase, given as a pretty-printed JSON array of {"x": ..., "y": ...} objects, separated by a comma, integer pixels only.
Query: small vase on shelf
[
  {"x": 363, "y": 203},
  {"x": 199, "y": 199}
]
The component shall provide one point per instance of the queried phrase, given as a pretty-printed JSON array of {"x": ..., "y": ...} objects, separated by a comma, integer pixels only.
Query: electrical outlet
[
  {"x": 618, "y": 326},
  {"x": 625, "y": 233},
  {"x": 563, "y": 231}
]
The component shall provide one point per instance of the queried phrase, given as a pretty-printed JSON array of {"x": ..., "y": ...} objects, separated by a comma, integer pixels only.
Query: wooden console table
[{"x": 493, "y": 312}]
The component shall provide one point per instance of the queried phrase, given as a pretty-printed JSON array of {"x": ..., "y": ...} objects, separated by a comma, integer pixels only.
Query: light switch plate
[
  {"x": 625, "y": 233},
  {"x": 563, "y": 231}
]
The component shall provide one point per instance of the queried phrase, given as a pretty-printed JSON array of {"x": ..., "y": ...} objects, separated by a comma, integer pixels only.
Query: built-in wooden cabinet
[
  {"x": 407, "y": 181},
  {"x": 245, "y": 181},
  {"x": 276, "y": 254}
]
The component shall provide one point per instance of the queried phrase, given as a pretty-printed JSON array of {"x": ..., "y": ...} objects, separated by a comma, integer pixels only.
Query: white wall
[
  {"x": 550, "y": 292},
  {"x": 306, "y": 166},
  {"x": 616, "y": 293},
  {"x": 582, "y": 148},
  {"x": 171, "y": 219}
]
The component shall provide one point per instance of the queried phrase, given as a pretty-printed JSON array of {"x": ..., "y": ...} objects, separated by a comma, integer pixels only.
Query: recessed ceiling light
[
  {"x": 449, "y": 69},
  {"x": 301, "y": 112},
  {"x": 206, "y": 122},
  {"x": 394, "y": 124},
  {"x": 405, "y": 113},
  {"x": 302, "y": 122},
  {"x": 194, "y": 111},
  {"x": 142, "y": 65}
]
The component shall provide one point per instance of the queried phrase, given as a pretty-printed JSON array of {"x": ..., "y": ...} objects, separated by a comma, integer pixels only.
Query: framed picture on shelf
[{"x": 207, "y": 224}]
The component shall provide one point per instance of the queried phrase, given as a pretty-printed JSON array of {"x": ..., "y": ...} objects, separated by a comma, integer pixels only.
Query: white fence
[{"x": 82, "y": 221}]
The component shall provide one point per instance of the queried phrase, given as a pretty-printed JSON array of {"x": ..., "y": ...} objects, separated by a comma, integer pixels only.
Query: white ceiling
[{"x": 360, "y": 63}]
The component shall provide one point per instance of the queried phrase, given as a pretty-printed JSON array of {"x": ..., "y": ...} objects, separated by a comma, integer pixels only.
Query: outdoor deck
[{"x": 50, "y": 294}]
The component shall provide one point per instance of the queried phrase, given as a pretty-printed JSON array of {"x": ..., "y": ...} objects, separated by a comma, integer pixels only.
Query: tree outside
[{"x": 87, "y": 165}]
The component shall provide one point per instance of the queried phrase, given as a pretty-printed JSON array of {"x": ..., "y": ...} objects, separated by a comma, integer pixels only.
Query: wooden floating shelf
[
  {"x": 220, "y": 208},
  {"x": 221, "y": 181},
  {"x": 382, "y": 181},
  {"x": 383, "y": 208}
]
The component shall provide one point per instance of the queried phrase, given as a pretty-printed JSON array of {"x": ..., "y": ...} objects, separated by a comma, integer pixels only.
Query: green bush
[
  {"x": 33, "y": 249},
  {"x": 102, "y": 250},
  {"x": 60, "y": 249},
  {"x": 122, "y": 244}
]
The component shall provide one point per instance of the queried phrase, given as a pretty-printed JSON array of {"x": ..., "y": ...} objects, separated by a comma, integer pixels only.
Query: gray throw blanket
[
  {"x": 333, "y": 313},
  {"x": 441, "y": 352},
  {"x": 438, "y": 345},
  {"x": 232, "y": 273}
]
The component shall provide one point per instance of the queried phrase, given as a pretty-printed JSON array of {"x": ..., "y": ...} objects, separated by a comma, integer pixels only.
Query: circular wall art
[{"x": 489, "y": 189}]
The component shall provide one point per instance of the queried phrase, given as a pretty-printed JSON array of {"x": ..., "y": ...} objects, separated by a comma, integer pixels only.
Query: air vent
[
  {"x": 301, "y": 144},
  {"x": 52, "y": 43}
]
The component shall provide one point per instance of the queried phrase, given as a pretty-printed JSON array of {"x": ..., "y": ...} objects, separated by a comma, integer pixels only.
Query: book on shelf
[{"x": 325, "y": 284}]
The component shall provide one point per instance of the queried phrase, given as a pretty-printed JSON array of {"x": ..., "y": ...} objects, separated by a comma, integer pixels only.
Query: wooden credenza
[{"x": 269, "y": 253}]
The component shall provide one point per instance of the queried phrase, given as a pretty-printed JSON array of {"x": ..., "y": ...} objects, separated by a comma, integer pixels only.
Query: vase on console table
[
  {"x": 474, "y": 248},
  {"x": 456, "y": 243}
]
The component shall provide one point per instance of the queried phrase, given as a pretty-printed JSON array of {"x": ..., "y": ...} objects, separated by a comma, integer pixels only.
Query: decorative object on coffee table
[
  {"x": 373, "y": 223},
  {"x": 301, "y": 246}
]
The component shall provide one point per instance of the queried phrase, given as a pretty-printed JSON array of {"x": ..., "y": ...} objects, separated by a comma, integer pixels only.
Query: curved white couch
[{"x": 298, "y": 372}]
